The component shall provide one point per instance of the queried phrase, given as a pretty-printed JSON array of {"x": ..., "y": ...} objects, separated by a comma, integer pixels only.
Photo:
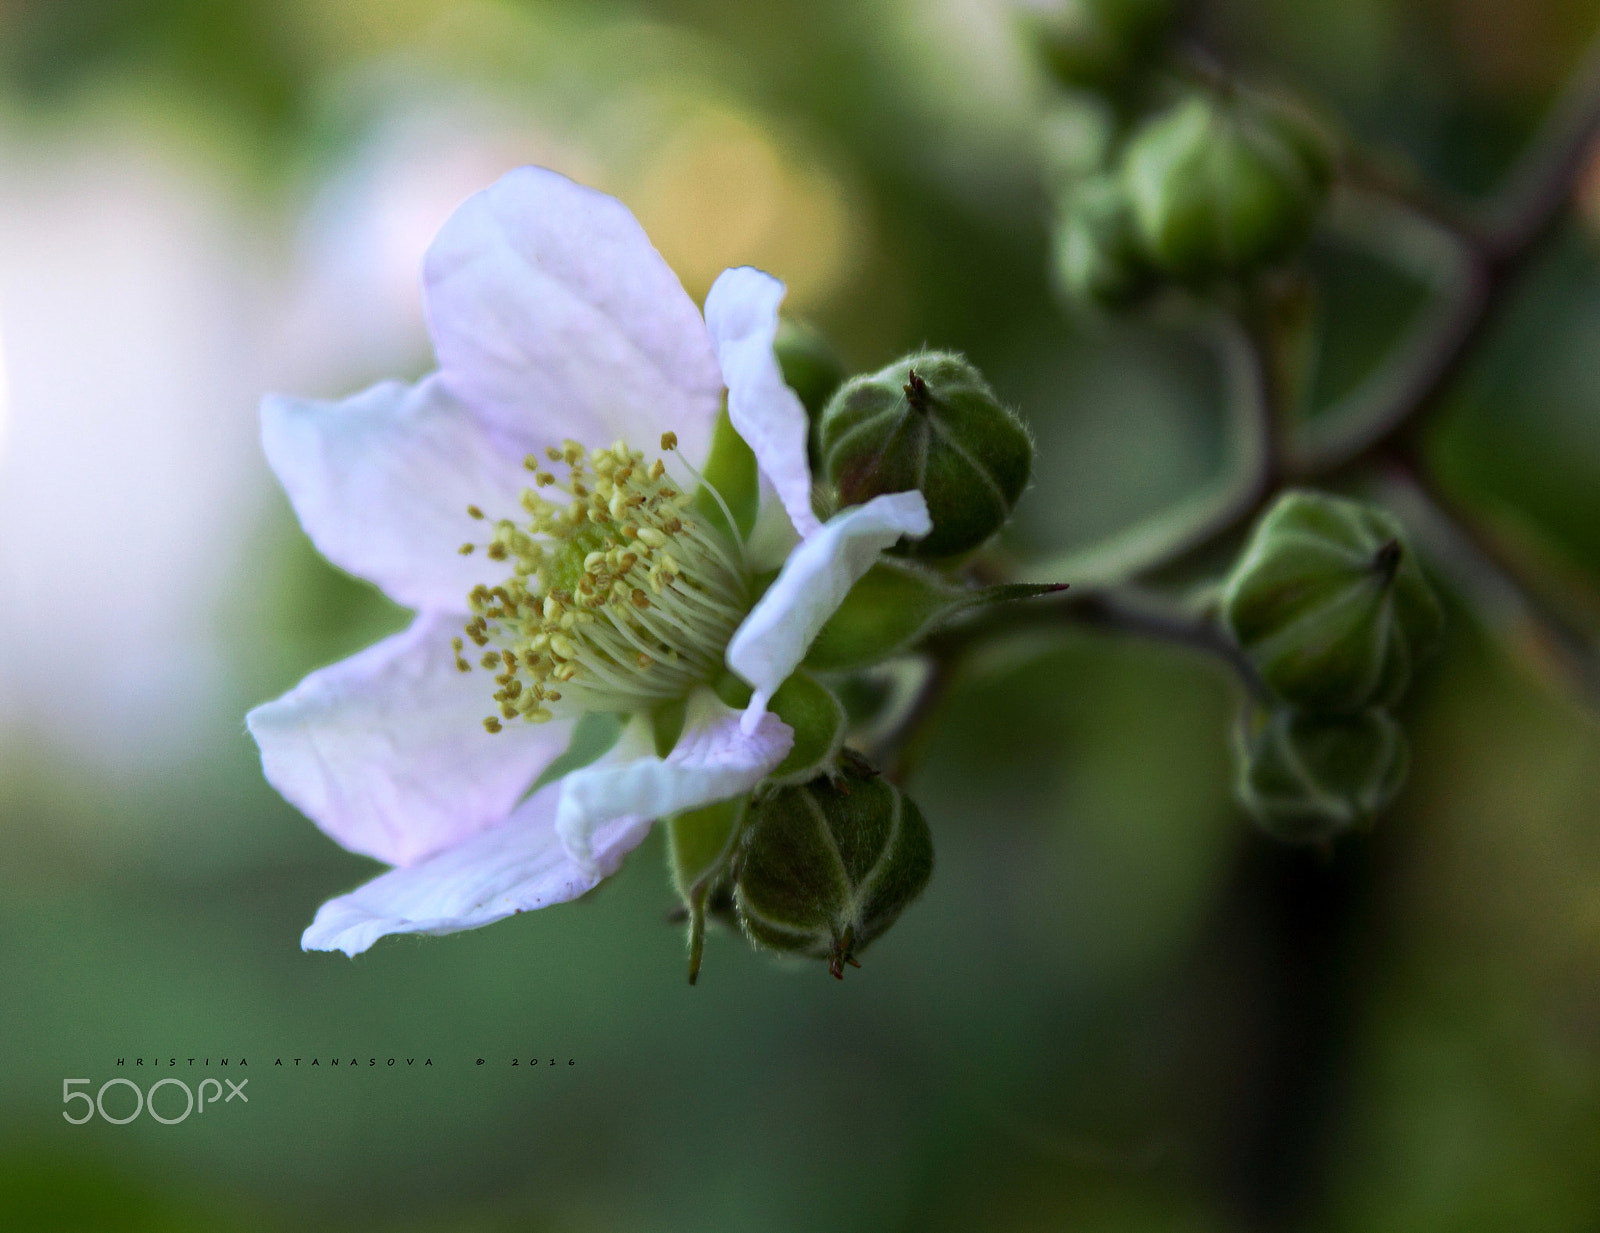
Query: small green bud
[
  {"x": 1098, "y": 259},
  {"x": 810, "y": 365},
  {"x": 1308, "y": 778},
  {"x": 929, "y": 421},
  {"x": 1329, "y": 605},
  {"x": 1098, "y": 44},
  {"x": 826, "y": 867},
  {"x": 1224, "y": 184}
]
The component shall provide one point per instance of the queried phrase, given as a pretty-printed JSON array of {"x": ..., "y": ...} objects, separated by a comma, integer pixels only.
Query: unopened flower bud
[
  {"x": 1329, "y": 605},
  {"x": 1307, "y": 778},
  {"x": 929, "y": 422},
  {"x": 828, "y": 866},
  {"x": 1222, "y": 184},
  {"x": 1097, "y": 44},
  {"x": 1098, "y": 259}
]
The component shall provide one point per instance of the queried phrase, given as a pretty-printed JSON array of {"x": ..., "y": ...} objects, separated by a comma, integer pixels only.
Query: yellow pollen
[
  {"x": 474, "y": 512},
  {"x": 614, "y": 591}
]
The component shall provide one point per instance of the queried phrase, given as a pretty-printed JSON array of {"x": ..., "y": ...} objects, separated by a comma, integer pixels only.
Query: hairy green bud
[
  {"x": 1329, "y": 605},
  {"x": 1098, "y": 44},
  {"x": 930, "y": 422},
  {"x": 1098, "y": 259},
  {"x": 826, "y": 867},
  {"x": 1223, "y": 184},
  {"x": 1307, "y": 778}
]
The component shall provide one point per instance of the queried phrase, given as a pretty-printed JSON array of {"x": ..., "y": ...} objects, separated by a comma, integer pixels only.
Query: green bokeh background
[{"x": 1116, "y": 1008}]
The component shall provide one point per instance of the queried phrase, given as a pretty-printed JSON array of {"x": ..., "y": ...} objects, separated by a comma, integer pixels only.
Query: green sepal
[
  {"x": 666, "y": 724},
  {"x": 819, "y": 722},
  {"x": 892, "y": 606},
  {"x": 731, "y": 470},
  {"x": 592, "y": 737},
  {"x": 700, "y": 847}
]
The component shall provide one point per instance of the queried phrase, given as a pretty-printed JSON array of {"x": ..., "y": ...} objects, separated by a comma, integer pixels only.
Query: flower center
[{"x": 617, "y": 599}]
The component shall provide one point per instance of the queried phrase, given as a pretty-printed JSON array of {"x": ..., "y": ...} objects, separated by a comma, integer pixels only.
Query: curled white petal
[
  {"x": 381, "y": 483},
  {"x": 714, "y": 759},
  {"x": 742, "y": 315},
  {"x": 516, "y": 866},
  {"x": 774, "y": 638},
  {"x": 386, "y": 752},
  {"x": 551, "y": 311}
]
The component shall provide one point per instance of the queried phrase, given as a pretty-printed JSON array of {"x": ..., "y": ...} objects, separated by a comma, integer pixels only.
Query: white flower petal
[
  {"x": 517, "y": 866},
  {"x": 550, "y": 311},
  {"x": 386, "y": 752},
  {"x": 714, "y": 759},
  {"x": 381, "y": 483},
  {"x": 813, "y": 583},
  {"x": 742, "y": 315}
]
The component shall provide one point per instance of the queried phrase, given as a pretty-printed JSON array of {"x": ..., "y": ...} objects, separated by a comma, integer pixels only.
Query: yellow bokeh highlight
[{"x": 719, "y": 192}]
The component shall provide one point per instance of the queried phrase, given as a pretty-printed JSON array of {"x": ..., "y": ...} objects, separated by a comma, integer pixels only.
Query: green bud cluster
[
  {"x": 1189, "y": 183},
  {"x": 1217, "y": 186},
  {"x": 929, "y": 421},
  {"x": 1329, "y": 606}
]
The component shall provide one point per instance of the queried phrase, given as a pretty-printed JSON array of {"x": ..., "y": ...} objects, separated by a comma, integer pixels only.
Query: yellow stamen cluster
[{"x": 616, "y": 596}]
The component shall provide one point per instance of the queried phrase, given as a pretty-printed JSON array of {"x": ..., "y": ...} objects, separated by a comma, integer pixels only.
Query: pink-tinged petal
[
  {"x": 713, "y": 760},
  {"x": 381, "y": 483},
  {"x": 386, "y": 751},
  {"x": 551, "y": 312},
  {"x": 742, "y": 315},
  {"x": 812, "y": 584},
  {"x": 517, "y": 866}
]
